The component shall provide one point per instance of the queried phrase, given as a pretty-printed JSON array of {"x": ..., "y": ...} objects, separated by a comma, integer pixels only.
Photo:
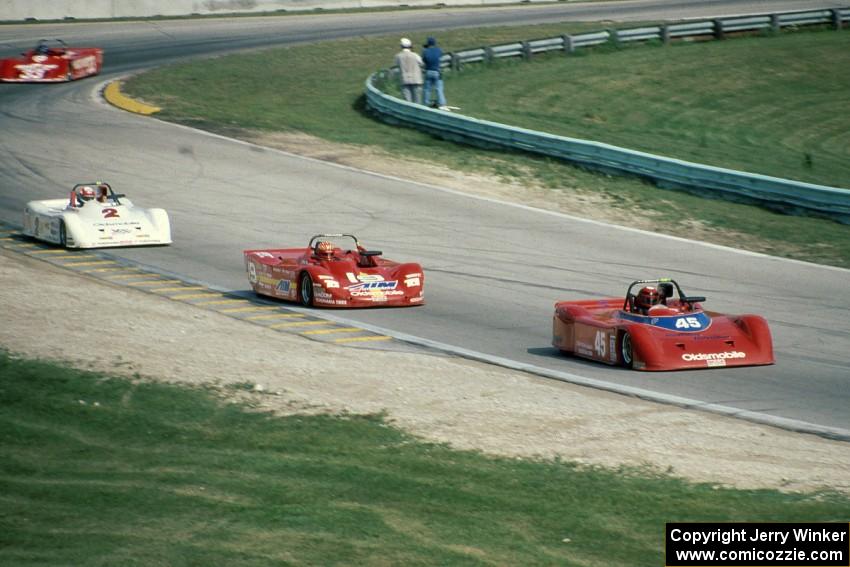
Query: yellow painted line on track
[
  {"x": 363, "y": 339},
  {"x": 223, "y": 302},
  {"x": 274, "y": 316},
  {"x": 125, "y": 276},
  {"x": 89, "y": 263},
  {"x": 249, "y": 309},
  {"x": 181, "y": 288},
  {"x": 194, "y": 296},
  {"x": 153, "y": 282},
  {"x": 331, "y": 331},
  {"x": 112, "y": 93},
  {"x": 62, "y": 252},
  {"x": 299, "y": 324},
  {"x": 104, "y": 270}
]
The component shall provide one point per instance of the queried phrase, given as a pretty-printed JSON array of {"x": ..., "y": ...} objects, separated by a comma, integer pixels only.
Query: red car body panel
[
  {"x": 350, "y": 278},
  {"x": 677, "y": 336},
  {"x": 59, "y": 64}
]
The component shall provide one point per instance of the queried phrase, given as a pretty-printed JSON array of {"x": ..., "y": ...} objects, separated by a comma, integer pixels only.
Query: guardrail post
[
  {"x": 455, "y": 62},
  {"x": 665, "y": 34},
  {"x": 836, "y": 19},
  {"x": 569, "y": 44},
  {"x": 718, "y": 29},
  {"x": 775, "y": 26},
  {"x": 488, "y": 54},
  {"x": 613, "y": 38},
  {"x": 526, "y": 50}
]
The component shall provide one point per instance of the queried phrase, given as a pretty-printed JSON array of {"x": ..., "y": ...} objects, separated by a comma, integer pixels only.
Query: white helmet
[
  {"x": 406, "y": 43},
  {"x": 86, "y": 193}
]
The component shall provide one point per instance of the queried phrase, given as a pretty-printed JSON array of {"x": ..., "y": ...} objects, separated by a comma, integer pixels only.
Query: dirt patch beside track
[{"x": 57, "y": 314}]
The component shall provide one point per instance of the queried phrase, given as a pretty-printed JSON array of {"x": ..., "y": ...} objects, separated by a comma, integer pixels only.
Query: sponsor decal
[
  {"x": 263, "y": 254},
  {"x": 713, "y": 356},
  {"x": 88, "y": 63},
  {"x": 34, "y": 71},
  {"x": 377, "y": 286},
  {"x": 612, "y": 348},
  {"x": 283, "y": 286},
  {"x": 122, "y": 231},
  {"x": 391, "y": 293},
  {"x": 416, "y": 299},
  {"x": 584, "y": 348},
  {"x": 412, "y": 281},
  {"x": 110, "y": 224}
]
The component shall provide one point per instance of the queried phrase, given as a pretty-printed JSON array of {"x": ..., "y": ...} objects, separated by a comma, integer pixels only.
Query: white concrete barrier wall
[{"x": 20, "y": 10}]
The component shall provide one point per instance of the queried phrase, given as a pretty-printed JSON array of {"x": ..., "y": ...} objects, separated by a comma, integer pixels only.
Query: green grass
[
  {"x": 771, "y": 105},
  {"x": 318, "y": 89},
  {"x": 98, "y": 470}
]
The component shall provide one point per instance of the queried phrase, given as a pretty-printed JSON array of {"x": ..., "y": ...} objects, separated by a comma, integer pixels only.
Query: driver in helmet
[
  {"x": 646, "y": 298},
  {"x": 324, "y": 249},
  {"x": 102, "y": 193},
  {"x": 85, "y": 194}
]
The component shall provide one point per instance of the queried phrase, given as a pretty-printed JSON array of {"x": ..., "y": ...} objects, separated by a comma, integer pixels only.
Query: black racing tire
[
  {"x": 627, "y": 356},
  {"x": 305, "y": 290},
  {"x": 63, "y": 236}
]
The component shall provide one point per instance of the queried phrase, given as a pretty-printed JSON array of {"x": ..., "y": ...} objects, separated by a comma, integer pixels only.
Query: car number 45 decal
[
  {"x": 688, "y": 323},
  {"x": 599, "y": 344}
]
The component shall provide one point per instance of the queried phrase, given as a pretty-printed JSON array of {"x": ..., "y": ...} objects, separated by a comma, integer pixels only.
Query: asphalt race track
[{"x": 493, "y": 270}]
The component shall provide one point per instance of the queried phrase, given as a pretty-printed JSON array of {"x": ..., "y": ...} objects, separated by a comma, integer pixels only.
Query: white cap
[{"x": 406, "y": 42}]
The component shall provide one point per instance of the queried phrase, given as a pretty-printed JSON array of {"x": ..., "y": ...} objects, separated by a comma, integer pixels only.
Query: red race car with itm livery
[
  {"x": 328, "y": 274},
  {"x": 52, "y": 62},
  {"x": 653, "y": 330}
]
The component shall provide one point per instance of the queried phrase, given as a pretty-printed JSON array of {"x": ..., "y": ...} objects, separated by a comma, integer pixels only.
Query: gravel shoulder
[{"x": 51, "y": 313}]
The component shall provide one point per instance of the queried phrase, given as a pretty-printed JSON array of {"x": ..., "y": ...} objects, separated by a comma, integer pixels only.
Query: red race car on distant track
[
  {"x": 52, "y": 62},
  {"x": 328, "y": 275},
  {"x": 652, "y": 330}
]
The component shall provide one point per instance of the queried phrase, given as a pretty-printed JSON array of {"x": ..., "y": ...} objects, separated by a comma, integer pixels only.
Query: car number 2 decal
[{"x": 110, "y": 213}]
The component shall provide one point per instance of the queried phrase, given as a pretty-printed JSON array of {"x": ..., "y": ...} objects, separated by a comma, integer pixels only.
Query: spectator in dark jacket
[{"x": 432, "y": 56}]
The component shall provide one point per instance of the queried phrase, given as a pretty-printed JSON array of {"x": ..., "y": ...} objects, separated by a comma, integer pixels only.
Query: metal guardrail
[{"x": 785, "y": 195}]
